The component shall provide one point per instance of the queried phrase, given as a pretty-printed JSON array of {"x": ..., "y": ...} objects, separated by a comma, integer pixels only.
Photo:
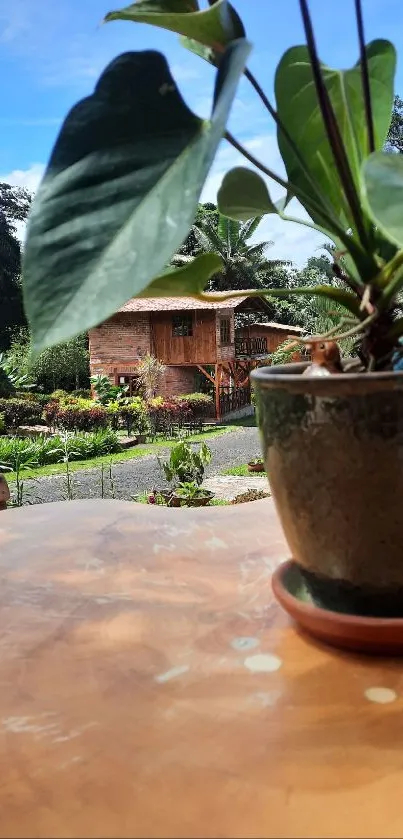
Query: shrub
[
  {"x": 20, "y": 412},
  {"x": 164, "y": 415},
  {"x": 2, "y": 424},
  {"x": 50, "y": 411},
  {"x": 81, "y": 394},
  {"x": 59, "y": 394},
  {"x": 134, "y": 415},
  {"x": 200, "y": 403},
  {"x": 75, "y": 418},
  {"x": 21, "y": 451}
]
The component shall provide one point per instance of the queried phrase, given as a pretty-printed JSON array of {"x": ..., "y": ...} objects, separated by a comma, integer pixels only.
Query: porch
[{"x": 250, "y": 347}]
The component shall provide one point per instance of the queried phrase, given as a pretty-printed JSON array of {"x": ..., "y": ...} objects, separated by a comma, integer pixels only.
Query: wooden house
[{"x": 193, "y": 338}]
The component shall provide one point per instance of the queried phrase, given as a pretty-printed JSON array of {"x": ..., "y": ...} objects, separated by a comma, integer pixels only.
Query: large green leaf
[
  {"x": 299, "y": 111},
  {"x": 243, "y": 195},
  {"x": 120, "y": 192},
  {"x": 189, "y": 280},
  {"x": 383, "y": 191},
  {"x": 214, "y": 27}
]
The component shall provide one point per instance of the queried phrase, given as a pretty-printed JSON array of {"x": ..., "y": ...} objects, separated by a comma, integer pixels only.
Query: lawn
[
  {"x": 118, "y": 457},
  {"x": 243, "y": 472}
]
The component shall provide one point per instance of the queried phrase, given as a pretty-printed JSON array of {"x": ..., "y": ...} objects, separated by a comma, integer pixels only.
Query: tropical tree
[
  {"x": 14, "y": 206},
  {"x": 245, "y": 263},
  {"x": 395, "y": 134},
  {"x": 63, "y": 366}
]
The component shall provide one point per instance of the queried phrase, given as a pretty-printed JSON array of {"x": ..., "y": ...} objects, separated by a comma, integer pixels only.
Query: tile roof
[{"x": 171, "y": 304}]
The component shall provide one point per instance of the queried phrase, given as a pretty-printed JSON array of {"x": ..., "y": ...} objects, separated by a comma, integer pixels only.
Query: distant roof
[
  {"x": 275, "y": 325},
  {"x": 172, "y": 304}
]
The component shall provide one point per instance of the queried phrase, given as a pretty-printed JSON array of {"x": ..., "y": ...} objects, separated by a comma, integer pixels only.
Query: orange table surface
[{"x": 150, "y": 686}]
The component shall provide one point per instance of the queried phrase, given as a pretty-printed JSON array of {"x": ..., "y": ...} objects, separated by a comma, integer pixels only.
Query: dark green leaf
[
  {"x": 383, "y": 190},
  {"x": 214, "y": 27},
  {"x": 189, "y": 280},
  {"x": 298, "y": 109},
  {"x": 243, "y": 194},
  {"x": 120, "y": 192}
]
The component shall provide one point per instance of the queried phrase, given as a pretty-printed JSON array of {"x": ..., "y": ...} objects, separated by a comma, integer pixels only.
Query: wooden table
[{"x": 151, "y": 687}]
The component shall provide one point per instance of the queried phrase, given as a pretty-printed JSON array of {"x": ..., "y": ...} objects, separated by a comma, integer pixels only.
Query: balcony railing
[
  {"x": 250, "y": 347},
  {"x": 234, "y": 400}
]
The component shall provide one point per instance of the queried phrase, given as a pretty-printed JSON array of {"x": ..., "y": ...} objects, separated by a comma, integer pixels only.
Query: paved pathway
[
  {"x": 135, "y": 476},
  {"x": 229, "y": 487}
]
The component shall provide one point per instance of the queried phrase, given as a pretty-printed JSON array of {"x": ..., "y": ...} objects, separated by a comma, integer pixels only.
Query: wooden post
[{"x": 218, "y": 373}]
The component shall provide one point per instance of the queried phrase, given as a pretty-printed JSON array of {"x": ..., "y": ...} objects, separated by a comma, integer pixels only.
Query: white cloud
[
  {"x": 30, "y": 178},
  {"x": 291, "y": 240}
]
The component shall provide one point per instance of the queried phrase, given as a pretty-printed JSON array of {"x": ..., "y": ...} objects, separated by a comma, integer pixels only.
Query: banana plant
[{"x": 123, "y": 182}]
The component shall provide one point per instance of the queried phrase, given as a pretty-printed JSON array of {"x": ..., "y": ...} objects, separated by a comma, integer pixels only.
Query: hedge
[{"x": 21, "y": 412}]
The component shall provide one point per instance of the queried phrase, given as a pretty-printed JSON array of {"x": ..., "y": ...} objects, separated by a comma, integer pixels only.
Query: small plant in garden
[
  {"x": 150, "y": 372},
  {"x": 105, "y": 391},
  {"x": 190, "y": 491},
  {"x": 133, "y": 413},
  {"x": 185, "y": 464},
  {"x": 21, "y": 461},
  {"x": 12, "y": 378}
]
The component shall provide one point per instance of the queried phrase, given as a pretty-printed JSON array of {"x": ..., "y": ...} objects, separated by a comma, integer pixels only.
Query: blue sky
[{"x": 51, "y": 54}]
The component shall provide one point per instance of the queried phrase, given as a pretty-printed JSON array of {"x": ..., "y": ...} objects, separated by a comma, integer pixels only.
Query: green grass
[
  {"x": 243, "y": 472},
  {"x": 245, "y": 422},
  {"x": 119, "y": 457}
]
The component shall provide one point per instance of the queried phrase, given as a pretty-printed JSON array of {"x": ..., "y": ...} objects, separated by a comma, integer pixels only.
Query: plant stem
[
  {"x": 332, "y": 128},
  {"x": 365, "y": 77},
  {"x": 356, "y": 251},
  {"x": 350, "y": 332},
  {"x": 252, "y": 159}
]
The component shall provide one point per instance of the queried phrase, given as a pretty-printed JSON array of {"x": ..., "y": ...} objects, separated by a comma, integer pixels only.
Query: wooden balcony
[{"x": 250, "y": 347}]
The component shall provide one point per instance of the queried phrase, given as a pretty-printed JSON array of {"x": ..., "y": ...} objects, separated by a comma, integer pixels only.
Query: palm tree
[{"x": 245, "y": 264}]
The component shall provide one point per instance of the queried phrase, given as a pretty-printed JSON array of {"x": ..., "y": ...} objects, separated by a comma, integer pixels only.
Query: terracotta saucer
[{"x": 371, "y": 635}]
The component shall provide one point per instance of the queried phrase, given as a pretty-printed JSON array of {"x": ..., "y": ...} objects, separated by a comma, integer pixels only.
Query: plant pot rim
[
  {"x": 328, "y": 616},
  {"x": 289, "y": 377}
]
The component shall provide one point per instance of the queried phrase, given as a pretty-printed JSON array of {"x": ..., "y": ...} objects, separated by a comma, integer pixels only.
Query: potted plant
[
  {"x": 185, "y": 471},
  {"x": 332, "y": 443},
  {"x": 190, "y": 494},
  {"x": 256, "y": 465}
]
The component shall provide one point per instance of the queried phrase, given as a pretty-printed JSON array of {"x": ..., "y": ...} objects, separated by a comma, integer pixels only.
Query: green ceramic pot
[{"x": 333, "y": 447}]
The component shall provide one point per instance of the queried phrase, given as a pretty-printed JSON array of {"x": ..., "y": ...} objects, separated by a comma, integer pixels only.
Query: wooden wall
[
  {"x": 274, "y": 336},
  {"x": 199, "y": 348}
]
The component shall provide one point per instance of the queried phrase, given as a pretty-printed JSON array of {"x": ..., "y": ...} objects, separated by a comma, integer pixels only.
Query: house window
[
  {"x": 182, "y": 325},
  {"x": 225, "y": 331},
  {"x": 131, "y": 381}
]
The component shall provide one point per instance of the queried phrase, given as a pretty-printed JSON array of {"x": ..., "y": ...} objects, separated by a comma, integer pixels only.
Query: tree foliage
[
  {"x": 395, "y": 133},
  {"x": 14, "y": 206},
  {"x": 245, "y": 262},
  {"x": 64, "y": 366}
]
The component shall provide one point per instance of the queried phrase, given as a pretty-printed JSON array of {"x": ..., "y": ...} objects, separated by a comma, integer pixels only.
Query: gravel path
[{"x": 134, "y": 476}]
